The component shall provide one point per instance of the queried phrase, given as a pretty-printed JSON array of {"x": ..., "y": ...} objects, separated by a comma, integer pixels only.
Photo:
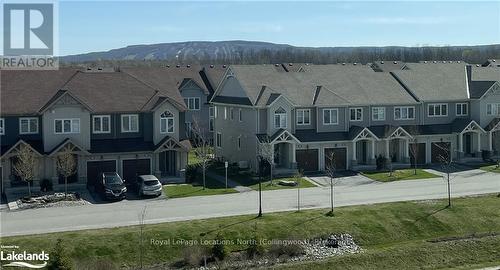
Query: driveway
[
  {"x": 159, "y": 210},
  {"x": 346, "y": 179}
]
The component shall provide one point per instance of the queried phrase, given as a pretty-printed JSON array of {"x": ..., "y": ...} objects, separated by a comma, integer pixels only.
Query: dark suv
[{"x": 111, "y": 186}]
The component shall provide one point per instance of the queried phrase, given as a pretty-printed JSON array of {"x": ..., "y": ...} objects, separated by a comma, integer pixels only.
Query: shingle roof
[
  {"x": 310, "y": 135},
  {"x": 435, "y": 81},
  {"x": 386, "y": 66}
]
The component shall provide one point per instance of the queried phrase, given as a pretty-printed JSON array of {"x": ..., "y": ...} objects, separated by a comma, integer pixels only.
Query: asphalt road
[{"x": 349, "y": 191}]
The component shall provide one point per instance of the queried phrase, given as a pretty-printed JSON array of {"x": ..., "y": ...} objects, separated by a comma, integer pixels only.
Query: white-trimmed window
[
  {"x": 378, "y": 113},
  {"x": 462, "y": 109},
  {"x": 211, "y": 117},
  {"x": 218, "y": 140},
  {"x": 231, "y": 113},
  {"x": 240, "y": 115},
  {"x": 67, "y": 126},
  {"x": 404, "y": 113},
  {"x": 28, "y": 125},
  {"x": 130, "y": 123},
  {"x": 101, "y": 124},
  {"x": 167, "y": 123},
  {"x": 330, "y": 116},
  {"x": 303, "y": 117},
  {"x": 356, "y": 114},
  {"x": 493, "y": 109},
  {"x": 2, "y": 126},
  {"x": 193, "y": 103},
  {"x": 436, "y": 110},
  {"x": 280, "y": 118}
]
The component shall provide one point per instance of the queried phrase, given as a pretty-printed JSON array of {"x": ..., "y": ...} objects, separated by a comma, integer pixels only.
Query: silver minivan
[{"x": 148, "y": 185}]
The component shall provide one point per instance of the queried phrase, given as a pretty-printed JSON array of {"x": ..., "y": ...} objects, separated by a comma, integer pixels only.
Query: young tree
[
  {"x": 25, "y": 165},
  {"x": 202, "y": 147},
  {"x": 330, "y": 170},
  {"x": 142, "y": 217},
  {"x": 447, "y": 165},
  {"x": 298, "y": 177},
  {"x": 266, "y": 152},
  {"x": 414, "y": 152},
  {"x": 66, "y": 165}
]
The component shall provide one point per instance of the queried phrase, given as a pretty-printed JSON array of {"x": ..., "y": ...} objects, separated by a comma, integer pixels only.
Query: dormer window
[
  {"x": 280, "y": 118},
  {"x": 166, "y": 122}
]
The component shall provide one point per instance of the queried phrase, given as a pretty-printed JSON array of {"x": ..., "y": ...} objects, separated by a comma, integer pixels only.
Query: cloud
[{"x": 407, "y": 20}]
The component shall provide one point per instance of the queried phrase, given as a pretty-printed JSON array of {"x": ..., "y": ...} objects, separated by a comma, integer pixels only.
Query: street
[{"x": 356, "y": 192}]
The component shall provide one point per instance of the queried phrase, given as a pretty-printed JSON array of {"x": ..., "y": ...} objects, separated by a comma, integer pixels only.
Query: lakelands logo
[
  {"x": 23, "y": 259},
  {"x": 29, "y": 35}
]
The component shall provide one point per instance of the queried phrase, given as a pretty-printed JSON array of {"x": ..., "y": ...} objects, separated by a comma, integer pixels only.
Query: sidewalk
[{"x": 230, "y": 183}]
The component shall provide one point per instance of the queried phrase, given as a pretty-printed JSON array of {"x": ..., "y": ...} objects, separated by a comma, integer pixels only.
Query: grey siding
[
  {"x": 202, "y": 115},
  {"x": 312, "y": 124},
  {"x": 230, "y": 87},
  {"x": 283, "y": 103},
  {"x": 11, "y": 130},
  {"x": 157, "y": 135},
  {"x": 429, "y": 120},
  {"x": 341, "y": 126},
  {"x": 493, "y": 96}
]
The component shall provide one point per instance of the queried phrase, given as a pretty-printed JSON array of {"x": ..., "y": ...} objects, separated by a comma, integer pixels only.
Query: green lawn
[
  {"x": 491, "y": 168},
  {"x": 397, "y": 175},
  {"x": 266, "y": 185},
  {"x": 213, "y": 187},
  {"x": 394, "y": 236}
]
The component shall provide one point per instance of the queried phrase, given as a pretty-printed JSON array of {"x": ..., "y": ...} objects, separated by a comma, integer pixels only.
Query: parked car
[
  {"x": 148, "y": 185},
  {"x": 111, "y": 186}
]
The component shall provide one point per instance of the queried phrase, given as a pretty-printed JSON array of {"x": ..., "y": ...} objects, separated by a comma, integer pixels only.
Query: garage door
[
  {"x": 439, "y": 150},
  {"x": 94, "y": 168},
  {"x": 418, "y": 150},
  {"x": 135, "y": 167},
  {"x": 340, "y": 157},
  {"x": 307, "y": 160}
]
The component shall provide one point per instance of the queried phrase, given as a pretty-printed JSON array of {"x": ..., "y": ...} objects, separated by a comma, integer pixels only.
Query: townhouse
[
  {"x": 411, "y": 112},
  {"x": 129, "y": 120}
]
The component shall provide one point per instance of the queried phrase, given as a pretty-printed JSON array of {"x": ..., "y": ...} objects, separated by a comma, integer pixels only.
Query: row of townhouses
[
  {"x": 406, "y": 112},
  {"x": 138, "y": 120},
  {"x": 132, "y": 121}
]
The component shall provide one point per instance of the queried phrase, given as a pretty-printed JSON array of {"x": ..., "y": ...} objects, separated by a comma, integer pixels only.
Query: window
[
  {"x": 356, "y": 114},
  {"x": 2, "y": 126},
  {"x": 239, "y": 142},
  {"x": 193, "y": 103},
  {"x": 211, "y": 124},
  {"x": 462, "y": 109},
  {"x": 67, "y": 126},
  {"x": 240, "y": 115},
  {"x": 435, "y": 110},
  {"x": 167, "y": 123},
  {"x": 330, "y": 116},
  {"x": 130, "y": 123},
  {"x": 101, "y": 123},
  {"x": 493, "y": 109},
  {"x": 189, "y": 129},
  {"x": 225, "y": 113},
  {"x": 404, "y": 113},
  {"x": 216, "y": 113},
  {"x": 218, "y": 140},
  {"x": 231, "y": 113},
  {"x": 211, "y": 112},
  {"x": 303, "y": 117},
  {"x": 378, "y": 113},
  {"x": 280, "y": 118},
  {"x": 28, "y": 125},
  {"x": 211, "y": 117}
]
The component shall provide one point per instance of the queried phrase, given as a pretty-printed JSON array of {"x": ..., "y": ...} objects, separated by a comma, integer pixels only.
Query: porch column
[
  {"x": 460, "y": 146},
  {"x": 490, "y": 141},
  {"x": 55, "y": 176},
  {"x": 156, "y": 158},
  {"x": 353, "y": 160},
  {"x": 387, "y": 151},
  {"x": 478, "y": 150},
  {"x": 406, "y": 151},
  {"x": 293, "y": 153},
  {"x": 372, "y": 154}
]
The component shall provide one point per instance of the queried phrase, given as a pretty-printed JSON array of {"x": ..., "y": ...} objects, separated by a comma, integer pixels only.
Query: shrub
[
  {"x": 99, "y": 264},
  {"x": 46, "y": 185},
  {"x": 219, "y": 250},
  {"x": 486, "y": 155},
  {"x": 287, "y": 249},
  {"x": 381, "y": 162},
  {"x": 191, "y": 172},
  {"x": 194, "y": 255},
  {"x": 254, "y": 248},
  {"x": 58, "y": 258}
]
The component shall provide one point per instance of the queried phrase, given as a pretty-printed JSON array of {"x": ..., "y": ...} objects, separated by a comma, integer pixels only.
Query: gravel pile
[
  {"x": 332, "y": 246},
  {"x": 51, "y": 200}
]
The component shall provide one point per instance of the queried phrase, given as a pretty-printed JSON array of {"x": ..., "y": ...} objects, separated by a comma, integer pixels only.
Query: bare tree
[
  {"x": 266, "y": 152},
  {"x": 330, "y": 170},
  {"x": 25, "y": 165},
  {"x": 66, "y": 165},
  {"x": 142, "y": 217},
  {"x": 447, "y": 165},
  {"x": 202, "y": 147},
  {"x": 414, "y": 152},
  {"x": 298, "y": 177}
]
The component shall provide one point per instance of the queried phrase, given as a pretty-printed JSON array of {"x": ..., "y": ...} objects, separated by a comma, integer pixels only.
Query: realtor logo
[{"x": 28, "y": 29}]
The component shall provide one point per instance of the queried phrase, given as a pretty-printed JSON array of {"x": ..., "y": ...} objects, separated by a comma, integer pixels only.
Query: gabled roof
[
  {"x": 493, "y": 125},
  {"x": 435, "y": 81},
  {"x": 36, "y": 146},
  {"x": 356, "y": 132},
  {"x": 310, "y": 135},
  {"x": 387, "y": 66},
  {"x": 491, "y": 62},
  {"x": 67, "y": 142},
  {"x": 280, "y": 134},
  {"x": 170, "y": 143}
]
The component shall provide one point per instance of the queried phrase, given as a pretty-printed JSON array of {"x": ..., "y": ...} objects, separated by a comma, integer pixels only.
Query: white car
[{"x": 148, "y": 185}]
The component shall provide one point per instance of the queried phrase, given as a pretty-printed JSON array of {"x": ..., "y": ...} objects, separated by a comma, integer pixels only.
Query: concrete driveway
[
  {"x": 351, "y": 179},
  {"x": 127, "y": 212}
]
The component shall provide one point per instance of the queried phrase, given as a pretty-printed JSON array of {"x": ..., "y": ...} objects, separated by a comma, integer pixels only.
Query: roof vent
[
  {"x": 211, "y": 66},
  {"x": 458, "y": 62},
  {"x": 382, "y": 62},
  {"x": 444, "y": 62},
  {"x": 276, "y": 65},
  {"x": 290, "y": 64},
  {"x": 168, "y": 66},
  {"x": 99, "y": 68},
  {"x": 425, "y": 62},
  {"x": 307, "y": 64},
  {"x": 89, "y": 68},
  {"x": 434, "y": 62},
  {"x": 177, "y": 66},
  {"x": 188, "y": 66},
  {"x": 224, "y": 66},
  {"x": 354, "y": 63},
  {"x": 343, "y": 64},
  {"x": 395, "y": 62},
  {"x": 477, "y": 65},
  {"x": 493, "y": 60}
]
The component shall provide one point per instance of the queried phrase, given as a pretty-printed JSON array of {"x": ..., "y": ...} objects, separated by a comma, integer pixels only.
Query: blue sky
[{"x": 97, "y": 26}]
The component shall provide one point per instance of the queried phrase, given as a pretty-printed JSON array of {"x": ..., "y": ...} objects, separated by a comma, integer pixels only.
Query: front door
[
  {"x": 167, "y": 163},
  {"x": 468, "y": 144},
  {"x": 364, "y": 149}
]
